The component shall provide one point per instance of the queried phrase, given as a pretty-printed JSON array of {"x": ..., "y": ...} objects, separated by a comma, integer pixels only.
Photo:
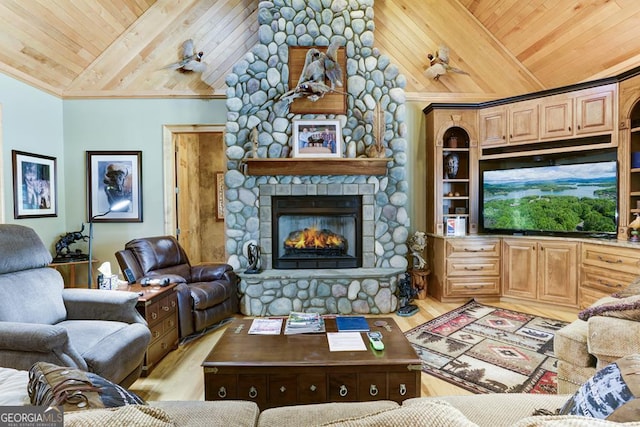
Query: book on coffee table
[{"x": 352, "y": 324}]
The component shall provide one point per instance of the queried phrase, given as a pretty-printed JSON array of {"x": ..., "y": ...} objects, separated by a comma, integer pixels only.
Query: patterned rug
[{"x": 487, "y": 349}]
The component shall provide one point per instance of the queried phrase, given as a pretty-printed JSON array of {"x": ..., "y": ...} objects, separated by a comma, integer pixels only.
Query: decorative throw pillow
[
  {"x": 611, "y": 394},
  {"x": 632, "y": 289},
  {"x": 74, "y": 389},
  {"x": 623, "y": 308}
]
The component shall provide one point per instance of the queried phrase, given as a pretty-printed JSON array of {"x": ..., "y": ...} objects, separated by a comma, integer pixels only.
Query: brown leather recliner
[{"x": 208, "y": 292}]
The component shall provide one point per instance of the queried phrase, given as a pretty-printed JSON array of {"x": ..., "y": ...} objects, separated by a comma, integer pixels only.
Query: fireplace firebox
[{"x": 316, "y": 231}]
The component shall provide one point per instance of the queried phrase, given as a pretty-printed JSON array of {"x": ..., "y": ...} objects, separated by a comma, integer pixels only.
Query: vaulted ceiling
[{"x": 118, "y": 48}]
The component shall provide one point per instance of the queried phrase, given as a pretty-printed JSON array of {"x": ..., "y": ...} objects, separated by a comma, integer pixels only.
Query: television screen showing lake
[{"x": 564, "y": 198}]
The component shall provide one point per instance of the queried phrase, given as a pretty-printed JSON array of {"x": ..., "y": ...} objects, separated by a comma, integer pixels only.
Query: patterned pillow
[
  {"x": 74, "y": 389},
  {"x": 611, "y": 394},
  {"x": 632, "y": 289},
  {"x": 623, "y": 308}
]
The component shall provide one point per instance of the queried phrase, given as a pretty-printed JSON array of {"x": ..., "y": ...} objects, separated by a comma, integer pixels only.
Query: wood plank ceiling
[{"x": 118, "y": 48}]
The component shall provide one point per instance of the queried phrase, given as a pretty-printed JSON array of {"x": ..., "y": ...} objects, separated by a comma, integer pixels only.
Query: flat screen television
[{"x": 561, "y": 194}]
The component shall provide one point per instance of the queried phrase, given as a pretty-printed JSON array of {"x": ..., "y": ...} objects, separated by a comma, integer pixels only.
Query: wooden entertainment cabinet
[{"x": 569, "y": 272}]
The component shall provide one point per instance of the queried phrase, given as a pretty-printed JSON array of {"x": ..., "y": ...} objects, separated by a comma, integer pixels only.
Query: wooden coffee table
[{"x": 277, "y": 370}]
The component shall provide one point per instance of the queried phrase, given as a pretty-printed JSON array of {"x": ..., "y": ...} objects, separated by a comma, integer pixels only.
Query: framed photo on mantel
[{"x": 317, "y": 138}]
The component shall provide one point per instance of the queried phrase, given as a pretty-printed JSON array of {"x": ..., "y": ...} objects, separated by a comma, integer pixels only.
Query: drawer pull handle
[
  {"x": 173, "y": 304},
  {"x": 156, "y": 334},
  {"x": 313, "y": 387},
  {"x": 618, "y": 261},
  {"x": 472, "y": 287},
  {"x": 166, "y": 308},
  {"x": 171, "y": 323},
  {"x": 253, "y": 393},
  {"x": 222, "y": 392},
  {"x": 164, "y": 345},
  {"x": 343, "y": 390},
  {"x": 283, "y": 389},
  {"x": 403, "y": 389},
  {"x": 154, "y": 316},
  {"x": 474, "y": 250},
  {"x": 474, "y": 268},
  {"x": 373, "y": 390}
]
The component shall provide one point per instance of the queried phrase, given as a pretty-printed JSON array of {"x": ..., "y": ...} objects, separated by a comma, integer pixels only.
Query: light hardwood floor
[{"x": 179, "y": 375}]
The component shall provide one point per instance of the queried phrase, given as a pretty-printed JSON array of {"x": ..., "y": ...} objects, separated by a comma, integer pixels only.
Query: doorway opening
[{"x": 194, "y": 157}]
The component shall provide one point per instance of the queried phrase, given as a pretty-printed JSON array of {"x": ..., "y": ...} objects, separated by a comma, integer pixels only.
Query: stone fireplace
[{"x": 371, "y": 81}]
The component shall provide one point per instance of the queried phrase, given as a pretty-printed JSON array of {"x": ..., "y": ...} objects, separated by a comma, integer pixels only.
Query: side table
[{"x": 159, "y": 306}]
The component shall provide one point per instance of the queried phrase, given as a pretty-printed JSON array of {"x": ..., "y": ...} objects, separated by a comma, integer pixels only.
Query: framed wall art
[
  {"x": 331, "y": 103},
  {"x": 114, "y": 186},
  {"x": 317, "y": 138},
  {"x": 220, "y": 196},
  {"x": 34, "y": 185}
]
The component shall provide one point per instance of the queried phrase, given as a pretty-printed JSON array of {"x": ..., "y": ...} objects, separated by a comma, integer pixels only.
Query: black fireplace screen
[{"x": 317, "y": 231}]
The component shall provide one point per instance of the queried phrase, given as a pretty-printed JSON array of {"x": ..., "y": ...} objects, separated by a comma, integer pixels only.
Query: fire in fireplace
[
  {"x": 314, "y": 241},
  {"x": 317, "y": 231}
]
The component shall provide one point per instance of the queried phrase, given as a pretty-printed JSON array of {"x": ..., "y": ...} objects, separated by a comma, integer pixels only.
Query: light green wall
[
  {"x": 37, "y": 122},
  {"x": 125, "y": 124},
  {"x": 31, "y": 122}
]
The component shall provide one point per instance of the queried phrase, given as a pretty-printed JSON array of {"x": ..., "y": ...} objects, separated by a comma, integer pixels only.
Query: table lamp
[{"x": 115, "y": 207}]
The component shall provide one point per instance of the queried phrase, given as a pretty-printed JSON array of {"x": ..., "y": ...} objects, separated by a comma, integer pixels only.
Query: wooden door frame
[{"x": 168, "y": 160}]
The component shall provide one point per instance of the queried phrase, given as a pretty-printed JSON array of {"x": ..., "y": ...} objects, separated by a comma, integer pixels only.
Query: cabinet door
[
  {"x": 594, "y": 113},
  {"x": 558, "y": 272},
  {"x": 493, "y": 126},
  {"x": 556, "y": 118},
  {"x": 519, "y": 263},
  {"x": 523, "y": 122}
]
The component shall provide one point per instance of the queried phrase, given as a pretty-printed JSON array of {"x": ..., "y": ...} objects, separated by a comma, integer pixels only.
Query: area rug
[{"x": 487, "y": 349}]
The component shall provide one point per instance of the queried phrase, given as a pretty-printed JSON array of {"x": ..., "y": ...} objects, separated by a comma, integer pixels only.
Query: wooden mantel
[{"x": 317, "y": 166}]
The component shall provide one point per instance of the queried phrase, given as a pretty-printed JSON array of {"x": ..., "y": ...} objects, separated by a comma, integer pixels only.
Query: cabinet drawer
[
  {"x": 467, "y": 248},
  {"x": 372, "y": 386},
  {"x": 254, "y": 388},
  {"x": 476, "y": 266},
  {"x": 617, "y": 259},
  {"x": 343, "y": 387},
  {"x": 282, "y": 389},
  {"x": 470, "y": 286},
  {"x": 161, "y": 346},
  {"x": 312, "y": 388},
  {"x": 606, "y": 281},
  {"x": 220, "y": 387},
  {"x": 404, "y": 385}
]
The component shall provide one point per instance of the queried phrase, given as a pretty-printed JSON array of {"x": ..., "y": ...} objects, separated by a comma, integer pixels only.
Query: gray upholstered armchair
[
  {"x": 97, "y": 331},
  {"x": 207, "y": 293}
]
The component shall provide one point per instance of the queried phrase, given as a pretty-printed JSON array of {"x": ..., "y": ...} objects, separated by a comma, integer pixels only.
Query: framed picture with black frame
[
  {"x": 35, "y": 185},
  {"x": 114, "y": 186}
]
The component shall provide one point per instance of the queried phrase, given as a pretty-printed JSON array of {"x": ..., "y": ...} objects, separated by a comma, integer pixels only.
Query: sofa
[
  {"x": 491, "y": 410},
  {"x": 90, "y": 329},
  {"x": 607, "y": 330},
  {"x": 207, "y": 293}
]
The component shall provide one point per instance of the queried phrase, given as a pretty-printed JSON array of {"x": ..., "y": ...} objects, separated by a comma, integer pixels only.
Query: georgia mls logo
[{"x": 31, "y": 416}]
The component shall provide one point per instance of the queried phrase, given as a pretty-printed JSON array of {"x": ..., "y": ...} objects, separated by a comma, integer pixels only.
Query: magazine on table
[
  {"x": 304, "y": 323},
  {"x": 265, "y": 326}
]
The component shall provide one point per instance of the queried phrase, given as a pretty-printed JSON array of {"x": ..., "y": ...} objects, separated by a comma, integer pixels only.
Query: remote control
[{"x": 375, "y": 338}]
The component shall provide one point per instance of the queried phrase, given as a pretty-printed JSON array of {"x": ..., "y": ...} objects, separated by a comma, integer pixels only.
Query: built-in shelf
[{"x": 317, "y": 166}]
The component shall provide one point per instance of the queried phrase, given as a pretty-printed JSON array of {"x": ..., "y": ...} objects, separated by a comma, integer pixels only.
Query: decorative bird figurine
[
  {"x": 439, "y": 64},
  {"x": 191, "y": 60},
  {"x": 332, "y": 68},
  {"x": 635, "y": 224}
]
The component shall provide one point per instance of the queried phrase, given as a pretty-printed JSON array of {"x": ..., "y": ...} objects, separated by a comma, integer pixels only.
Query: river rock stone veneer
[{"x": 261, "y": 77}]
